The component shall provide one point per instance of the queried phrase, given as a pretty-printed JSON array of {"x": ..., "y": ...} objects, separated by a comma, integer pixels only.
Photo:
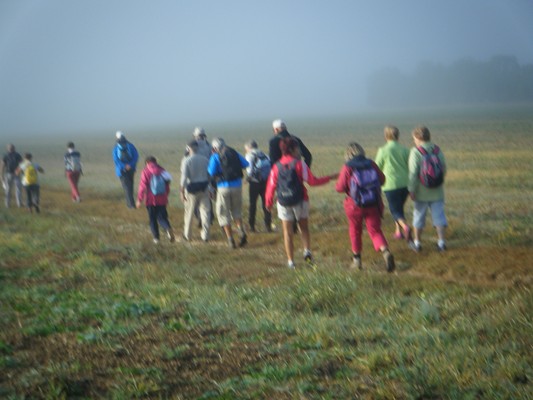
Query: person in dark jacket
[
  {"x": 10, "y": 163},
  {"x": 280, "y": 131}
]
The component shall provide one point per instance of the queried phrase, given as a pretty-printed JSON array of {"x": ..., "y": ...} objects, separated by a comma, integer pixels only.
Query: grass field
[{"x": 91, "y": 308}]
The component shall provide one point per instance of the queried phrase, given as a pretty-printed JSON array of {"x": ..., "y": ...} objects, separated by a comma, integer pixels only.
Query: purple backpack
[
  {"x": 431, "y": 171},
  {"x": 365, "y": 188}
]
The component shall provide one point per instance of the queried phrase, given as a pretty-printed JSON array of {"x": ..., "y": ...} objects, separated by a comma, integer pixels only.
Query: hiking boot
[
  {"x": 231, "y": 243},
  {"x": 356, "y": 262},
  {"x": 389, "y": 261},
  {"x": 170, "y": 235},
  {"x": 308, "y": 258},
  {"x": 416, "y": 247},
  {"x": 244, "y": 240}
]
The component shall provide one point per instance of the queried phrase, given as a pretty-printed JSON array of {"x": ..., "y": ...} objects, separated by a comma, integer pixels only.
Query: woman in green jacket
[{"x": 392, "y": 159}]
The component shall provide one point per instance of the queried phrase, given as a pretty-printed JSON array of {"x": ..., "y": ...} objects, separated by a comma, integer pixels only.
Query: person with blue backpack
[
  {"x": 427, "y": 169},
  {"x": 257, "y": 176},
  {"x": 361, "y": 179},
  {"x": 154, "y": 188},
  {"x": 125, "y": 157}
]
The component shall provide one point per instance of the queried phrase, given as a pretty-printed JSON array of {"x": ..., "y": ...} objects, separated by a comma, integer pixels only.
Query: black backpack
[
  {"x": 230, "y": 164},
  {"x": 290, "y": 189}
]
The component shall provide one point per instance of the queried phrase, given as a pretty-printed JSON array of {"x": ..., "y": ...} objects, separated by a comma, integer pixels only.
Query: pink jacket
[
  {"x": 304, "y": 174},
  {"x": 145, "y": 193}
]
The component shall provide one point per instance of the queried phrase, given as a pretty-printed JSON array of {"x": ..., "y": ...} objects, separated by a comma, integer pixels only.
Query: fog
[{"x": 100, "y": 65}]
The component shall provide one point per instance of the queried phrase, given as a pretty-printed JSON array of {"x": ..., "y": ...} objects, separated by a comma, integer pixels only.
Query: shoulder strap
[{"x": 422, "y": 150}]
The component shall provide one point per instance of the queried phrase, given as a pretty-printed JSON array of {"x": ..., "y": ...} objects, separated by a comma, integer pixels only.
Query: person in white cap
[
  {"x": 280, "y": 131},
  {"x": 125, "y": 156},
  {"x": 204, "y": 148}
]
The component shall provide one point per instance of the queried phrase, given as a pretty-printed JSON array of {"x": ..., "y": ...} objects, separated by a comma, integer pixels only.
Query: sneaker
[
  {"x": 244, "y": 240},
  {"x": 170, "y": 235},
  {"x": 156, "y": 241},
  {"x": 291, "y": 264},
  {"x": 231, "y": 243},
  {"x": 441, "y": 247},
  {"x": 389, "y": 261},
  {"x": 416, "y": 247},
  {"x": 356, "y": 262},
  {"x": 308, "y": 258}
]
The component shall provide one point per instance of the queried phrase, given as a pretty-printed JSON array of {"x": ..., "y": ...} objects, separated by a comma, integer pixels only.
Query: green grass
[{"x": 90, "y": 308}]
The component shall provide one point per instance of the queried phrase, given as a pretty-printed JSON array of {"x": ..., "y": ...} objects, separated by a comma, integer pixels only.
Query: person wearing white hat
[
  {"x": 204, "y": 148},
  {"x": 125, "y": 156},
  {"x": 280, "y": 131}
]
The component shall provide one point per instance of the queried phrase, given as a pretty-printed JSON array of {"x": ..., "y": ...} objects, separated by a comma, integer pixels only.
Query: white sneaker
[
  {"x": 156, "y": 241},
  {"x": 291, "y": 265}
]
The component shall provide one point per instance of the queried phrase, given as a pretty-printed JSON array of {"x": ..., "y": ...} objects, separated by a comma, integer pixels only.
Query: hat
[
  {"x": 198, "y": 131},
  {"x": 192, "y": 143},
  {"x": 119, "y": 135},
  {"x": 278, "y": 123},
  {"x": 217, "y": 143}
]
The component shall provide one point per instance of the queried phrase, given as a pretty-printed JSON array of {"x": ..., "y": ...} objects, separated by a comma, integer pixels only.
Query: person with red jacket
[
  {"x": 371, "y": 214},
  {"x": 154, "y": 188},
  {"x": 292, "y": 197}
]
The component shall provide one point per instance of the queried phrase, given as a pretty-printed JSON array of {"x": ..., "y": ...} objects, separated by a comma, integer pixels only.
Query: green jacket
[
  {"x": 421, "y": 192},
  {"x": 393, "y": 159}
]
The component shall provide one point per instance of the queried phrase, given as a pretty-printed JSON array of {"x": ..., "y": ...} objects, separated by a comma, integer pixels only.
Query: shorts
[
  {"x": 290, "y": 213},
  {"x": 229, "y": 204},
  {"x": 396, "y": 199},
  {"x": 437, "y": 213}
]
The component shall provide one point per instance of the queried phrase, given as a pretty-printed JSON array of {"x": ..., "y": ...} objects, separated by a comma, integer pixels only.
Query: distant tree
[{"x": 466, "y": 81}]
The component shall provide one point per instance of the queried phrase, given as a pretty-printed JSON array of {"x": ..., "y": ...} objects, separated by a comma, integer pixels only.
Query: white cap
[
  {"x": 278, "y": 124},
  {"x": 198, "y": 131},
  {"x": 119, "y": 135},
  {"x": 217, "y": 143}
]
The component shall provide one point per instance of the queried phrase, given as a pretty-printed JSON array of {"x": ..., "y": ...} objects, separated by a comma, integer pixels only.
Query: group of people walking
[{"x": 213, "y": 173}]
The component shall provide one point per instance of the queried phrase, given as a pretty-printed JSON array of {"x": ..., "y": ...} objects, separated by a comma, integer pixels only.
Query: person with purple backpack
[
  {"x": 361, "y": 179},
  {"x": 427, "y": 169}
]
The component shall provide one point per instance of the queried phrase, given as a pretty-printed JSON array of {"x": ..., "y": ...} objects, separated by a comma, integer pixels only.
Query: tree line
[{"x": 499, "y": 80}]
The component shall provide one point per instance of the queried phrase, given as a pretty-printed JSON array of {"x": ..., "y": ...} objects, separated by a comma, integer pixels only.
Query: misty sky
[{"x": 81, "y": 65}]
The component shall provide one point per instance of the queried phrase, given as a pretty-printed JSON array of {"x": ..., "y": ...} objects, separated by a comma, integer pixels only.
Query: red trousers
[
  {"x": 73, "y": 178},
  {"x": 372, "y": 217}
]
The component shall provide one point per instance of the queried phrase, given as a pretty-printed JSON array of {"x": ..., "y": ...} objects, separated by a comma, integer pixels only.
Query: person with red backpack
[
  {"x": 154, "y": 188},
  {"x": 286, "y": 182},
  {"x": 427, "y": 169},
  {"x": 361, "y": 179}
]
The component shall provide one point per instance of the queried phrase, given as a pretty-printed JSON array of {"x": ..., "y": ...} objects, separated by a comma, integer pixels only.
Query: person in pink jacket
[
  {"x": 286, "y": 182},
  {"x": 154, "y": 188},
  {"x": 371, "y": 213}
]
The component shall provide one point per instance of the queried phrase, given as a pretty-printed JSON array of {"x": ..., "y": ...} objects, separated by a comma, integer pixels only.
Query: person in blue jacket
[
  {"x": 125, "y": 156},
  {"x": 225, "y": 167}
]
